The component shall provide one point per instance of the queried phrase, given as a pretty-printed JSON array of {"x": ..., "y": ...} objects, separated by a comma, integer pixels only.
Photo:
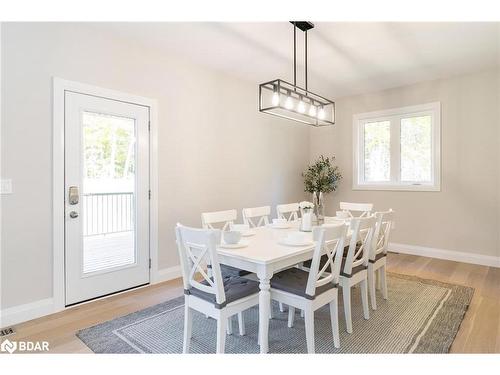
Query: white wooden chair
[
  {"x": 257, "y": 216},
  {"x": 224, "y": 220},
  {"x": 289, "y": 211},
  {"x": 378, "y": 254},
  {"x": 215, "y": 296},
  {"x": 355, "y": 264},
  {"x": 362, "y": 209},
  {"x": 312, "y": 290}
]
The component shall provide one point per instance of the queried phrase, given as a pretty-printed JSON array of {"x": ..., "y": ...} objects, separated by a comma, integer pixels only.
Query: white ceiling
[{"x": 344, "y": 58}]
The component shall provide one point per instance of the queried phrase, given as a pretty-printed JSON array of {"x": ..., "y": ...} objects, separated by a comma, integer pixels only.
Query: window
[{"x": 398, "y": 149}]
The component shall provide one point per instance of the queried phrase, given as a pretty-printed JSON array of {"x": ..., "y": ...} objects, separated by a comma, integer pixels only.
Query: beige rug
[{"x": 420, "y": 316}]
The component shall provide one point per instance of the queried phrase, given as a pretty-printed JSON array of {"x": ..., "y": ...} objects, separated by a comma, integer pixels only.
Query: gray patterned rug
[{"x": 420, "y": 316}]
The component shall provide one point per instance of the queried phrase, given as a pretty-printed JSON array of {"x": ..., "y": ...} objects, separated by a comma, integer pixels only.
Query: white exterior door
[{"x": 106, "y": 196}]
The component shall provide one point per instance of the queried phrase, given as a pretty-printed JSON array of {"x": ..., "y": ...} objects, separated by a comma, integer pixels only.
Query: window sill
[{"x": 397, "y": 187}]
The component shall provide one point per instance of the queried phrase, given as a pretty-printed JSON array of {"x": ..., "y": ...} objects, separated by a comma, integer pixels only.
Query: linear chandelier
[{"x": 283, "y": 99}]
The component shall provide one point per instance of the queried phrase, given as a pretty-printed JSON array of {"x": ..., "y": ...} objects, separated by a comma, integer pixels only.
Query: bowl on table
[{"x": 231, "y": 237}]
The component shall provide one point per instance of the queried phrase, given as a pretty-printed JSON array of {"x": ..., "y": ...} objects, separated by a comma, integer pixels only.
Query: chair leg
[
  {"x": 334, "y": 317},
  {"x": 346, "y": 293},
  {"x": 383, "y": 281},
  {"x": 364, "y": 298},
  {"x": 291, "y": 316},
  {"x": 377, "y": 275},
  {"x": 241, "y": 324},
  {"x": 188, "y": 328},
  {"x": 301, "y": 313},
  {"x": 229, "y": 326},
  {"x": 221, "y": 334},
  {"x": 371, "y": 288},
  {"x": 282, "y": 307},
  {"x": 309, "y": 323}
]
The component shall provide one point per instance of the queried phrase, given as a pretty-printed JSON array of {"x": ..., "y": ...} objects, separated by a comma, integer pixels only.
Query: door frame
[{"x": 60, "y": 86}]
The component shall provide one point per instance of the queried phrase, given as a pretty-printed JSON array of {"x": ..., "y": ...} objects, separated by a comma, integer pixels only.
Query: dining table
[{"x": 265, "y": 255}]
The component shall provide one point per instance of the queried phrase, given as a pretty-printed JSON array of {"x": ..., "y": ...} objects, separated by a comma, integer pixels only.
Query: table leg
[{"x": 264, "y": 309}]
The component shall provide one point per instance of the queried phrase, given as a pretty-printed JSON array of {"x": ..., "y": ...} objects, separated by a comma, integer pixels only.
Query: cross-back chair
[
  {"x": 224, "y": 219},
  {"x": 355, "y": 264},
  {"x": 312, "y": 290},
  {"x": 214, "y": 295},
  {"x": 256, "y": 216},
  {"x": 289, "y": 211},
  {"x": 378, "y": 254},
  {"x": 361, "y": 209}
]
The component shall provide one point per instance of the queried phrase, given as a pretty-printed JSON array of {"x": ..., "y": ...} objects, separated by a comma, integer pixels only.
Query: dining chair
[
  {"x": 355, "y": 264},
  {"x": 312, "y": 290},
  {"x": 216, "y": 296},
  {"x": 224, "y": 220},
  {"x": 378, "y": 254},
  {"x": 257, "y": 216},
  {"x": 362, "y": 209},
  {"x": 289, "y": 211}
]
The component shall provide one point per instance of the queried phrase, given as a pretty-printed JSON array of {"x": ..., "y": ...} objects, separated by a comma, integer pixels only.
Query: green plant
[{"x": 322, "y": 176}]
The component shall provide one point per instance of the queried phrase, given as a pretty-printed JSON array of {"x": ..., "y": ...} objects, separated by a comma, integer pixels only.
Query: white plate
[
  {"x": 282, "y": 226},
  {"x": 287, "y": 242},
  {"x": 238, "y": 245},
  {"x": 248, "y": 233}
]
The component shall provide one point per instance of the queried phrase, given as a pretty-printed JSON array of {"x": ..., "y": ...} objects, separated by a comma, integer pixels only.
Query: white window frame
[{"x": 394, "y": 116}]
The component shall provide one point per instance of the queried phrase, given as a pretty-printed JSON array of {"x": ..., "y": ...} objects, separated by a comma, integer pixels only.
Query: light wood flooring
[{"x": 479, "y": 332}]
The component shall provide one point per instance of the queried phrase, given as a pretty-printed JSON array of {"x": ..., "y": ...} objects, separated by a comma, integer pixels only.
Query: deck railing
[{"x": 105, "y": 213}]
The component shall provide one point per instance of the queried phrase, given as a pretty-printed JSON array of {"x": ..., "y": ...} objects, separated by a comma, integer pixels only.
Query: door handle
[
  {"x": 73, "y": 214},
  {"x": 73, "y": 196}
]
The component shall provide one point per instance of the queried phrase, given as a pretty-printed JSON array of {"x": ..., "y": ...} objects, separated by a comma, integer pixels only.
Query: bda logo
[{"x": 8, "y": 346}]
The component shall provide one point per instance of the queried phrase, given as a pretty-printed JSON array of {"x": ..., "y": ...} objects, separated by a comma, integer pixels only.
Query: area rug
[{"x": 420, "y": 316}]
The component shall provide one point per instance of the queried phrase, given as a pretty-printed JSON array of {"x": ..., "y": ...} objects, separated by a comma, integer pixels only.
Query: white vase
[{"x": 306, "y": 220}]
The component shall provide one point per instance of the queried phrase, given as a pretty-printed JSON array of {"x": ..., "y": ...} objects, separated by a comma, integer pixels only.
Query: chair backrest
[
  {"x": 382, "y": 231},
  {"x": 197, "y": 248},
  {"x": 289, "y": 211},
  {"x": 330, "y": 242},
  {"x": 256, "y": 216},
  {"x": 362, "y": 229},
  {"x": 225, "y": 218},
  {"x": 363, "y": 208}
]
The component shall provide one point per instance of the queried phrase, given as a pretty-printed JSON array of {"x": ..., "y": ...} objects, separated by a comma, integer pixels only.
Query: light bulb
[
  {"x": 321, "y": 113},
  {"x": 289, "y": 102},
  {"x": 276, "y": 99},
  {"x": 302, "y": 107},
  {"x": 312, "y": 110}
]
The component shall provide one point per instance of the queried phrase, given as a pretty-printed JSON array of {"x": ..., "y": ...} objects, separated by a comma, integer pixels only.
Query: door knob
[{"x": 73, "y": 214}]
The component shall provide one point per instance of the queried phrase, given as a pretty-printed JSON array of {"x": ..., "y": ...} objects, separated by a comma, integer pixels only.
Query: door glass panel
[
  {"x": 377, "y": 144},
  {"x": 108, "y": 199},
  {"x": 416, "y": 149}
]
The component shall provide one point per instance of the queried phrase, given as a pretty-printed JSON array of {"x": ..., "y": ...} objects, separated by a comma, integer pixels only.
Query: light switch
[{"x": 6, "y": 186}]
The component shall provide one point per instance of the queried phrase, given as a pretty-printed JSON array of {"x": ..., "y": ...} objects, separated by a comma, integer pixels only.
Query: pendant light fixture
[{"x": 283, "y": 99}]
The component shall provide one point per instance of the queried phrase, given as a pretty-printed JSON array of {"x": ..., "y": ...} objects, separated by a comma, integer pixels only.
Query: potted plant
[{"x": 321, "y": 177}]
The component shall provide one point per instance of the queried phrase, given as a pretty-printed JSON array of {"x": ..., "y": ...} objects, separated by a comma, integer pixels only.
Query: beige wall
[
  {"x": 215, "y": 150},
  {"x": 464, "y": 215}
]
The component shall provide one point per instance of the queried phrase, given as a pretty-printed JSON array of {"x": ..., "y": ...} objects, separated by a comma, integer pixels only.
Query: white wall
[
  {"x": 215, "y": 150},
  {"x": 464, "y": 215}
]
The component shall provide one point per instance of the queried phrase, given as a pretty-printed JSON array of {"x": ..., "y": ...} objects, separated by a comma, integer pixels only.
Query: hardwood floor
[{"x": 479, "y": 332}]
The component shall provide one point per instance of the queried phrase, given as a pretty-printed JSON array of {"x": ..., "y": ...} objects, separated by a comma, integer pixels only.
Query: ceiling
[{"x": 344, "y": 58}]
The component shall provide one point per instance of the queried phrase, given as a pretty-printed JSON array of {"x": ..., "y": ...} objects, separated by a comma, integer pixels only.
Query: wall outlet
[{"x": 6, "y": 186}]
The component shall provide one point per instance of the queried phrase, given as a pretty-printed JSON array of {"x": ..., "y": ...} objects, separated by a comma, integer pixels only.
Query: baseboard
[
  {"x": 28, "y": 311},
  {"x": 166, "y": 274},
  {"x": 457, "y": 256}
]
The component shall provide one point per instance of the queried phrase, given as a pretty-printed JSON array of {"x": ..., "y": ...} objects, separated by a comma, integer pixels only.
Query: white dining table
[{"x": 265, "y": 256}]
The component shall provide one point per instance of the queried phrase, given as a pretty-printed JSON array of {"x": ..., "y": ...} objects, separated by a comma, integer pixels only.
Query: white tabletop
[{"x": 264, "y": 246}]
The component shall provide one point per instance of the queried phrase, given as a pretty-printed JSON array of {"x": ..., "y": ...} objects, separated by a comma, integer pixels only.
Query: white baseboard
[
  {"x": 457, "y": 256},
  {"x": 28, "y": 311},
  {"x": 166, "y": 274}
]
